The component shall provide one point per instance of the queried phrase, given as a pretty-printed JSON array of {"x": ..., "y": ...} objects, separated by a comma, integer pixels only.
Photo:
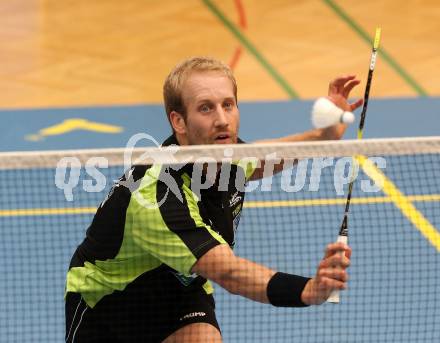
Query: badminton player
[{"x": 144, "y": 275}]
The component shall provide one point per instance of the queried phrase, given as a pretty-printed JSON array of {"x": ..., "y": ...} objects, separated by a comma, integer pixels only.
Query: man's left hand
[{"x": 338, "y": 92}]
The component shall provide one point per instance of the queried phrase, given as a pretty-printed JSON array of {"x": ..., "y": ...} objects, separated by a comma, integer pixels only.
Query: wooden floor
[{"x": 81, "y": 52}]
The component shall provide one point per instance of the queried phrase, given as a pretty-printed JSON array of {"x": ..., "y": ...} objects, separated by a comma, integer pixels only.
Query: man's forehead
[{"x": 201, "y": 84}]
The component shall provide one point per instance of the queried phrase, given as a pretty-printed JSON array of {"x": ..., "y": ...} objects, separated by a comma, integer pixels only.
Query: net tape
[{"x": 199, "y": 153}]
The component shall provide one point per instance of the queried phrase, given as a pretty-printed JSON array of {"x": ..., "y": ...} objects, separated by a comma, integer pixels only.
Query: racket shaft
[
  {"x": 334, "y": 296},
  {"x": 343, "y": 234}
]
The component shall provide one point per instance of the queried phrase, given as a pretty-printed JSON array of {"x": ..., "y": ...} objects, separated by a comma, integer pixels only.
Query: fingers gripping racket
[{"x": 343, "y": 231}]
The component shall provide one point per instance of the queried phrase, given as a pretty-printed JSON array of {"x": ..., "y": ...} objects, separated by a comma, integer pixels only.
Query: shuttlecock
[{"x": 325, "y": 113}]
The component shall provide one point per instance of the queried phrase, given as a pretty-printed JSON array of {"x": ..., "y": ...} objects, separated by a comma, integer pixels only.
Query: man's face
[{"x": 212, "y": 115}]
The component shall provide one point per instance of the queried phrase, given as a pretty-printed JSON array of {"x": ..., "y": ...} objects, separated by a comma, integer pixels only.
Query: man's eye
[
  {"x": 228, "y": 105},
  {"x": 204, "y": 108}
]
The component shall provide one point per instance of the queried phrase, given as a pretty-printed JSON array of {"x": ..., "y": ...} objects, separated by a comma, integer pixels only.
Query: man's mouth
[{"x": 224, "y": 137}]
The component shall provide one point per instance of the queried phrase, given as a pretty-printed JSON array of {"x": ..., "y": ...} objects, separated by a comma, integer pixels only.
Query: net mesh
[{"x": 46, "y": 207}]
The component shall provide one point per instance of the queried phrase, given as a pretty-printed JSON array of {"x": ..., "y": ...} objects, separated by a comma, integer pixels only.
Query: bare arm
[
  {"x": 328, "y": 133},
  {"x": 235, "y": 274},
  {"x": 248, "y": 279}
]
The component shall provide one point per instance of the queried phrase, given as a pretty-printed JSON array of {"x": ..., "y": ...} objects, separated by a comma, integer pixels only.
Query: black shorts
[{"x": 133, "y": 316}]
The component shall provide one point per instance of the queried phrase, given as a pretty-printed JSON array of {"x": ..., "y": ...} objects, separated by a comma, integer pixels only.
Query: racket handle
[{"x": 334, "y": 296}]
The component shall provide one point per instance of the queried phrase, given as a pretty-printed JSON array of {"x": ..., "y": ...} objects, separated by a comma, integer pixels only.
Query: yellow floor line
[
  {"x": 247, "y": 204},
  {"x": 336, "y": 201},
  {"x": 46, "y": 211}
]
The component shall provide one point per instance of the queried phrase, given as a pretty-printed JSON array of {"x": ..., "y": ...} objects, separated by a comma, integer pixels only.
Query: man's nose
[{"x": 221, "y": 119}]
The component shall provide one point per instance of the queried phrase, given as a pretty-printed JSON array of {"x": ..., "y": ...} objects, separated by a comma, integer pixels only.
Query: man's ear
[{"x": 178, "y": 122}]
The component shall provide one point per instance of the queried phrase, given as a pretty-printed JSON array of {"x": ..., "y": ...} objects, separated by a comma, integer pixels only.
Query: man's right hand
[{"x": 331, "y": 274}]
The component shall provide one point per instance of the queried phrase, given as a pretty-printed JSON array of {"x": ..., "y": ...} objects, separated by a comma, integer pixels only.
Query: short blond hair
[{"x": 172, "y": 88}]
